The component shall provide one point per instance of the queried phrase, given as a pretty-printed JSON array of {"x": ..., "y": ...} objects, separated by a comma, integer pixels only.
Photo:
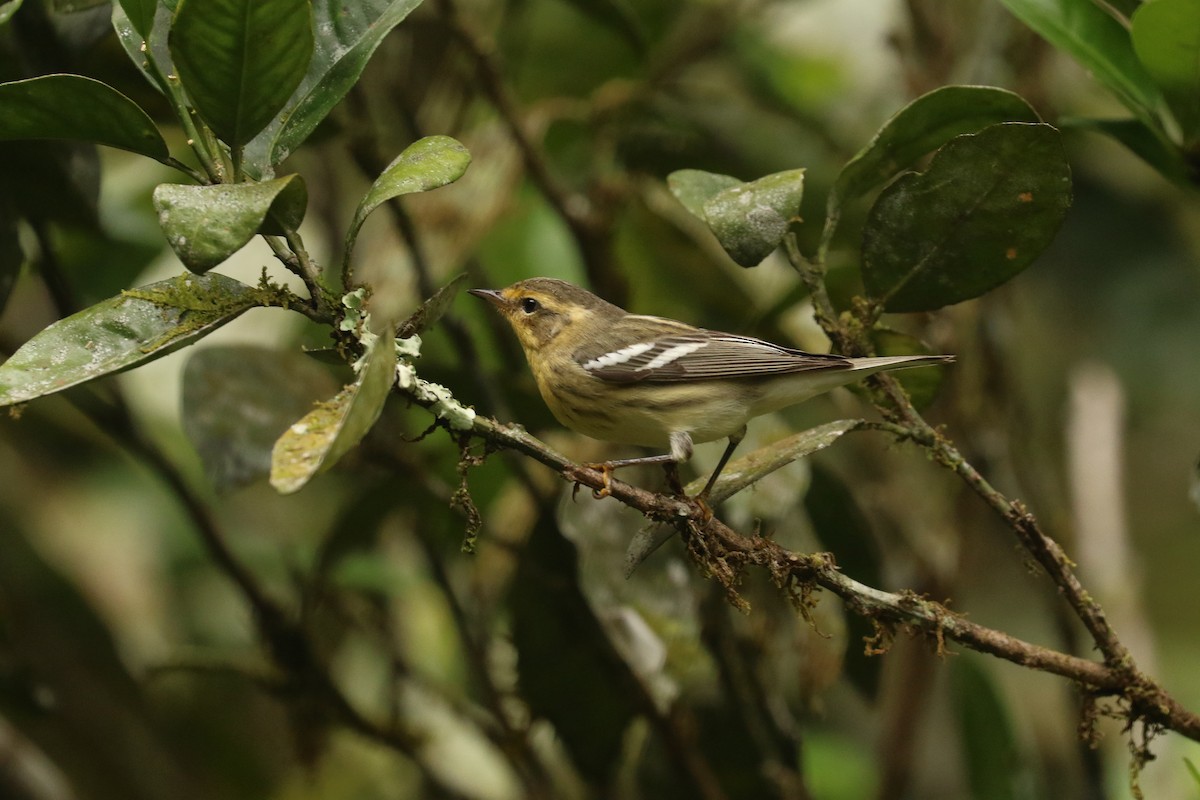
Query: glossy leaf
[
  {"x": 325, "y": 434},
  {"x": 137, "y": 326},
  {"x": 238, "y": 400},
  {"x": 425, "y": 164},
  {"x": 986, "y": 733},
  {"x": 1166, "y": 37},
  {"x": 1145, "y": 142},
  {"x": 207, "y": 224},
  {"x": 694, "y": 187},
  {"x": 1096, "y": 40},
  {"x": 142, "y": 48},
  {"x": 751, "y": 220},
  {"x": 240, "y": 60},
  {"x": 987, "y": 206},
  {"x": 346, "y": 37},
  {"x": 738, "y": 475},
  {"x": 432, "y": 309},
  {"x": 140, "y": 14},
  {"x": 75, "y": 107},
  {"x": 923, "y": 126},
  {"x": 8, "y": 9}
]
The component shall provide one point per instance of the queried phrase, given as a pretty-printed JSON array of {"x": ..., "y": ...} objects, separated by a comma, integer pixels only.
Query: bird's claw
[{"x": 606, "y": 470}]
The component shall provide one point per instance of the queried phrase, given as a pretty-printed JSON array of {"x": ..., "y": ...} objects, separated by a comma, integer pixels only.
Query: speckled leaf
[
  {"x": 738, "y": 475},
  {"x": 923, "y": 126},
  {"x": 987, "y": 206},
  {"x": 140, "y": 14},
  {"x": 1166, "y": 37},
  {"x": 207, "y": 224},
  {"x": 325, "y": 434},
  {"x": 425, "y": 164},
  {"x": 137, "y": 326},
  {"x": 751, "y": 220},
  {"x": 694, "y": 187},
  {"x": 432, "y": 309},
  {"x": 237, "y": 400},
  {"x": 75, "y": 107},
  {"x": 346, "y": 37},
  {"x": 240, "y": 60}
]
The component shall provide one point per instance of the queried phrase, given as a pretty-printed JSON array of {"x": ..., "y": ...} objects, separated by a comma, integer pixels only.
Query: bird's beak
[{"x": 493, "y": 296}]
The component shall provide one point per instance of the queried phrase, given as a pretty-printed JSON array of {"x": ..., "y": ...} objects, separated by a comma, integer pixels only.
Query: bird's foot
[{"x": 606, "y": 470}]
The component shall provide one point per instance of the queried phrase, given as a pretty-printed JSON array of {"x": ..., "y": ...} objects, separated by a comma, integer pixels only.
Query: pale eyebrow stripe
[
  {"x": 619, "y": 356},
  {"x": 672, "y": 354}
]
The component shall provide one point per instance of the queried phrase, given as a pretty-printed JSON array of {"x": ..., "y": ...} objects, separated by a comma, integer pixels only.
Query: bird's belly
[{"x": 647, "y": 414}]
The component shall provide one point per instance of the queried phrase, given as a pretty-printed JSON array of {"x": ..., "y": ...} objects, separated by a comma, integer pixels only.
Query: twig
[{"x": 1147, "y": 700}]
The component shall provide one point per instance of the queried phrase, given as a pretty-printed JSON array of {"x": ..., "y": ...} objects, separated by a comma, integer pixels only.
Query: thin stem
[{"x": 1147, "y": 700}]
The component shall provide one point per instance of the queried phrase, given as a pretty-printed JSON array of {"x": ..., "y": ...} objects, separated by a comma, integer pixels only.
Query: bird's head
[{"x": 542, "y": 309}]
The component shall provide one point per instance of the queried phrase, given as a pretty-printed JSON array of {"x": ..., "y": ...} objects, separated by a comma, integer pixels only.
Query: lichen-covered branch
[{"x": 725, "y": 553}]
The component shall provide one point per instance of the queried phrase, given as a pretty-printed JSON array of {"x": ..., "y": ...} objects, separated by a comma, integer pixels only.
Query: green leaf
[
  {"x": 569, "y": 671},
  {"x": 923, "y": 126},
  {"x": 53, "y": 180},
  {"x": 325, "y": 434},
  {"x": 694, "y": 187},
  {"x": 843, "y": 528},
  {"x": 239, "y": 399},
  {"x": 137, "y": 326},
  {"x": 143, "y": 48},
  {"x": 207, "y": 224},
  {"x": 346, "y": 37},
  {"x": 140, "y": 14},
  {"x": 987, "y": 206},
  {"x": 751, "y": 220},
  {"x": 1193, "y": 771},
  {"x": 986, "y": 733},
  {"x": 1099, "y": 42},
  {"x": 1166, "y": 37},
  {"x": 738, "y": 475},
  {"x": 432, "y": 309},
  {"x": 1148, "y": 144},
  {"x": 616, "y": 15},
  {"x": 240, "y": 60},
  {"x": 425, "y": 164},
  {"x": 75, "y": 107},
  {"x": 8, "y": 9}
]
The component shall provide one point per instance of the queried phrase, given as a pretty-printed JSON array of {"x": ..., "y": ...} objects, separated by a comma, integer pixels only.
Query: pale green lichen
[{"x": 437, "y": 398}]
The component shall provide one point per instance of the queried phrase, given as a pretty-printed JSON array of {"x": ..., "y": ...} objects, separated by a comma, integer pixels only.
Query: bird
[{"x": 657, "y": 382}]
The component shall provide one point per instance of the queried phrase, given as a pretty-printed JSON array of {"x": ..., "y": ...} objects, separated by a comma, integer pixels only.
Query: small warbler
[{"x": 660, "y": 383}]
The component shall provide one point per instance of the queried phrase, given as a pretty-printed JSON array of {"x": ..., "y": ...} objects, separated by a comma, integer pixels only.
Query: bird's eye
[{"x": 529, "y": 305}]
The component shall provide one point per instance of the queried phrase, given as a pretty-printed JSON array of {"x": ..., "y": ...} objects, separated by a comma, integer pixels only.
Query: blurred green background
[{"x": 130, "y": 665}]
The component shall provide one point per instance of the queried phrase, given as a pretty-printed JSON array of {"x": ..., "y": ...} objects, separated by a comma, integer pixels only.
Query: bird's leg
[
  {"x": 681, "y": 450},
  {"x": 734, "y": 440}
]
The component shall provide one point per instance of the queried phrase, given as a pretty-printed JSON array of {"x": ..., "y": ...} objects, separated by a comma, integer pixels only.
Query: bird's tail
[{"x": 883, "y": 363}]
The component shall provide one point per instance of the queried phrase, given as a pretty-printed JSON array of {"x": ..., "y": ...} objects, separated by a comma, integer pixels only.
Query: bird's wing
[{"x": 656, "y": 350}]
